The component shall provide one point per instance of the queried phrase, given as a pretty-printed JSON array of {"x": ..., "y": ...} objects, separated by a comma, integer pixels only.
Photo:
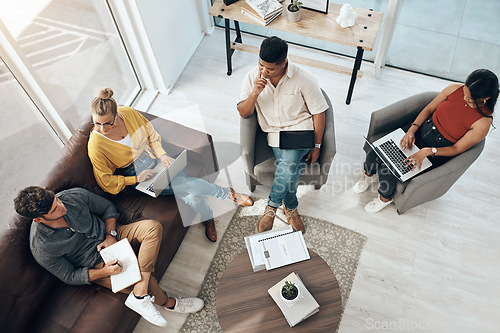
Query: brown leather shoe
[
  {"x": 240, "y": 199},
  {"x": 267, "y": 220},
  {"x": 210, "y": 231},
  {"x": 293, "y": 219}
]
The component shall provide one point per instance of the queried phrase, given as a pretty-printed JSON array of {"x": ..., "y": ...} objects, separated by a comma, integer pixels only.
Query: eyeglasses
[{"x": 105, "y": 125}]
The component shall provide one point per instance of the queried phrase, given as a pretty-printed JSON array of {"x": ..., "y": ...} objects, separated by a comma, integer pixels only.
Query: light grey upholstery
[
  {"x": 259, "y": 160},
  {"x": 429, "y": 185}
]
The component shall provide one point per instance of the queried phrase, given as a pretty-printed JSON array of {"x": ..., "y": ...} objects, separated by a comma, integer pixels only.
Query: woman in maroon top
[{"x": 456, "y": 120}]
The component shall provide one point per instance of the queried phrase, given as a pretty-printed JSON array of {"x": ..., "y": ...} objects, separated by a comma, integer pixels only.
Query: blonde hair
[{"x": 104, "y": 104}]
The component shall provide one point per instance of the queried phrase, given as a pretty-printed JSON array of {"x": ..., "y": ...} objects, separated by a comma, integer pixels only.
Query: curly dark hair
[
  {"x": 273, "y": 50},
  {"x": 34, "y": 201}
]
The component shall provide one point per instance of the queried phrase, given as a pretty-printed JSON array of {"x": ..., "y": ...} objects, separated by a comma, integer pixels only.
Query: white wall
[{"x": 175, "y": 29}]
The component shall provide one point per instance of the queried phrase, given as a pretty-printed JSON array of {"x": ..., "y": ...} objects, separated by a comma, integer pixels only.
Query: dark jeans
[{"x": 427, "y": 135}]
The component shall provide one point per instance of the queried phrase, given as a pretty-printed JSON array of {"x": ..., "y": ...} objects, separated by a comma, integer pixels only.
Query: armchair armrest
[
  {"x": 248, "y": 133},
  {"x": 436, "y": 182}
]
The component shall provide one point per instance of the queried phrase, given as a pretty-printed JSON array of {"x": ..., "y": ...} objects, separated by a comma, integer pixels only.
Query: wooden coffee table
[{"x": 244, "y": 305}]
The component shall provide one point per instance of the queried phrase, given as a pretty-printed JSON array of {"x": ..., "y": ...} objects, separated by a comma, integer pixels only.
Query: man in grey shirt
[{"x": 71, "y": 227}]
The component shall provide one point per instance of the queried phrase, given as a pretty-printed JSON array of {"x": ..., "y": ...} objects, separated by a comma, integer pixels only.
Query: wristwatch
[
  {"x": 434, "y": 150},
  {"x": 317, "y": 145},
  {"x": 112, "y": 233}
]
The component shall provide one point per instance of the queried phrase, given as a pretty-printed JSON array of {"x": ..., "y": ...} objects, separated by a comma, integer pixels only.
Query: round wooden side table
[{"x": 244, "y": 305}]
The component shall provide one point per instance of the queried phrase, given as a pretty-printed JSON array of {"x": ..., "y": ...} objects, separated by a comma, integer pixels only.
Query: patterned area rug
[{"x": 339, "y": 247}]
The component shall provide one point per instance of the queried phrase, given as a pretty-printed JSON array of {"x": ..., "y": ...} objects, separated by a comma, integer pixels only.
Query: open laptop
[
  {"x": 390, "y": 151},
  {"x": 164, "y": 175}
]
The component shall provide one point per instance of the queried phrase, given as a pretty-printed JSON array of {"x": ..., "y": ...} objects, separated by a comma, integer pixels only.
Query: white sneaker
[
  {"x": 376, "y": 205},
  {"x": 363, "y": 184},
  {"x": 146, "y": 309},
  {"x": 187, "y": 305}
]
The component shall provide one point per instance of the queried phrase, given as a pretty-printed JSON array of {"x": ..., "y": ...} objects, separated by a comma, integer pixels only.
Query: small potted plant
[
  {"x": 293, "y": 11},
  {"x": 289, "y": 291}
]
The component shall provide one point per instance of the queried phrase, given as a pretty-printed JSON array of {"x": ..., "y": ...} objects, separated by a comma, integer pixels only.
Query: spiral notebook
[
  {"x": 284, "y": 249},
  {"x": 253, "y": 246}
]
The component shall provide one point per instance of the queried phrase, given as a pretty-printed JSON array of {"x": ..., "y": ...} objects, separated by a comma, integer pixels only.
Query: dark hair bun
[{"x": 105, "y": 93}]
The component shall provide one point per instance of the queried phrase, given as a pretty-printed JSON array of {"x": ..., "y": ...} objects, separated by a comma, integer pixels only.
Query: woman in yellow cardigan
[{"x": 124, "y": 148}]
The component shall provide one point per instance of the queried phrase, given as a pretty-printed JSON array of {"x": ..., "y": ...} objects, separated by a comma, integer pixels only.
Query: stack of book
[
  {"x": 262, "y": 11},
  {"x": 299, "y": 309}
]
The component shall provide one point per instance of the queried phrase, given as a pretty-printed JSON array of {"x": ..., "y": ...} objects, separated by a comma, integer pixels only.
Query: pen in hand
[{"x": 117, "y": 263}]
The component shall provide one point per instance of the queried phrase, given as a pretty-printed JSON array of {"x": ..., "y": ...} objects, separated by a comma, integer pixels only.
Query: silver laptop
[
  {"x": 164, "y": 175},
  {"x": 390, "y": 151}
]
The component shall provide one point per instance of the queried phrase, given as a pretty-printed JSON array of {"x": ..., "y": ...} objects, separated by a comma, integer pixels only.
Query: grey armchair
[
  {"x": 259, "y": 160},
  {"x": 429, "y": 185}
]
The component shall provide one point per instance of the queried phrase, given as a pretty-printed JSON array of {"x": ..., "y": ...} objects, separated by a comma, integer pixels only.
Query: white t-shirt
[{"x": 288, "y": 106}]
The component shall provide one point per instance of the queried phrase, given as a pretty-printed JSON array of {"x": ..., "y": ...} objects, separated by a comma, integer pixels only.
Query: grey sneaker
[
  {"x": 187, "y": 305},
  {"x": 146, "y": 309}
]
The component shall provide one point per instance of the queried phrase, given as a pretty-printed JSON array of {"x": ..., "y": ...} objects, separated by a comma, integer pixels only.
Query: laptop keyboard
[{"x": 395, "y": 154}]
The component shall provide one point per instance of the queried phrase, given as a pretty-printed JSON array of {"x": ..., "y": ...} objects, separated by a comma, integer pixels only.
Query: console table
[
  {"x": 244, "y": 305},
  {"x": 312, "y": 24}
]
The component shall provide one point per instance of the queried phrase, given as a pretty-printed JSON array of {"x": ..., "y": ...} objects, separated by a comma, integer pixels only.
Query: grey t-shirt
[{"x": 68, "y": 253}]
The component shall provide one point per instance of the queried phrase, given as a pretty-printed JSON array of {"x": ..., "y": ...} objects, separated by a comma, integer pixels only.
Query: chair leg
[
  {"x": 400, "y": 213},
  {"x": 252, "y": 188}
]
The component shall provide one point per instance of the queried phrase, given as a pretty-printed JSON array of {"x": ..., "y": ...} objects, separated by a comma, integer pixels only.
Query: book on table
[
  {"x": 254, "y": 250},
  {"x": 283, "y": 249},
  {"x": 130, "y": 273},
  {"x": 299, "y": 309},
  {"x": 265, "y": 8},
  {"x": 252, "y": 14}
]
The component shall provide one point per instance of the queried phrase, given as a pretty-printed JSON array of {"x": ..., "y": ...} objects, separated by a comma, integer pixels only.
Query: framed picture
[{"x": 316, "y": 5}]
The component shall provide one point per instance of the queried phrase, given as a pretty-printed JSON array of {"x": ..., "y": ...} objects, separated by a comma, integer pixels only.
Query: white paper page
[
  {"x": 284, "y": 250},
  {"x": 130, "y": 273}
]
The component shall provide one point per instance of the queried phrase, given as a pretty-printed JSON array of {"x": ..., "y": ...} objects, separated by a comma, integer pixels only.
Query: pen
[{"x": 117, "y": 263}]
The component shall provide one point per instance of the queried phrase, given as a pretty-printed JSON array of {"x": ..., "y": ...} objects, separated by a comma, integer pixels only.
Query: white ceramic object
[
  {"x": 347, "y": 17},
  {"x": 290, "y": 301}
]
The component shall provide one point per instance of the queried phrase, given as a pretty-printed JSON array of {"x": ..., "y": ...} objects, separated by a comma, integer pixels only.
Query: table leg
[
  {"x": 238, "y": 32},
  {"x": 229, "y": 50},
  {"x": 355, "y": 69},
  {"x": 228, "y": 46}
]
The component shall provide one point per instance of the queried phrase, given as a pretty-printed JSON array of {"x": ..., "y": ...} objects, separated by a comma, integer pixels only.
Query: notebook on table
[
  {"x": 164, "y": 175},
  {"x": 283, "y": 249},
  {"x": 391, "y": 153}
]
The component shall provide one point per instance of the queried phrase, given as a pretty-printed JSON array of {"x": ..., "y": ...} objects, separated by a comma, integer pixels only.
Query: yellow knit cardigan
[{"x": 107, "y": 155}]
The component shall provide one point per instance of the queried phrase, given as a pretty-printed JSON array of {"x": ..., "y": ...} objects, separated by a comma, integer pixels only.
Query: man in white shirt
[{"x": 285, "y": 98}]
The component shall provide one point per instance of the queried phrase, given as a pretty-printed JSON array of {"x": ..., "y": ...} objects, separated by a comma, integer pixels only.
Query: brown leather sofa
[{"x": 33, "y": 300}]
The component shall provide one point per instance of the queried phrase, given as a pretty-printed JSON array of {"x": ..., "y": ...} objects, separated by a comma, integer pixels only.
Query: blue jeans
[
  {"x": 287, "y": 177},
  {"x": 189, "y": 189}
]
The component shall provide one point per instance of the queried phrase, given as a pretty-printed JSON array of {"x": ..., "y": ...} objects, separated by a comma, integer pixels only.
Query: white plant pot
[
  {"x": 293, "y": 16},
  {"x": 291, "y": 300}
]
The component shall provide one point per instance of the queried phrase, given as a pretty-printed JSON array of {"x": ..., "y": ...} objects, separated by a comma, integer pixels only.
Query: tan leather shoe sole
[
  {"x": 267, "y": 220},
  {"x": 293, "y": 219},
  {"x": 210, "y": 230},
  {"x": 240, "y": 199}
]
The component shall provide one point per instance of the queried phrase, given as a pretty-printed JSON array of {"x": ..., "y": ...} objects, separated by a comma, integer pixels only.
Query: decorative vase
[{"x": 293, "y": 16}]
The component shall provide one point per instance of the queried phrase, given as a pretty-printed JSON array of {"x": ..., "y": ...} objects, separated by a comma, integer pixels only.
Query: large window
[
  {"x": 74, "y": 49},
  {"x": 28, "y": 145}
]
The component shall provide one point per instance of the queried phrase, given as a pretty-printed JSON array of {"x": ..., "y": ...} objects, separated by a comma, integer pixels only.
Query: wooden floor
[{"x": 433, "y": 269}]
